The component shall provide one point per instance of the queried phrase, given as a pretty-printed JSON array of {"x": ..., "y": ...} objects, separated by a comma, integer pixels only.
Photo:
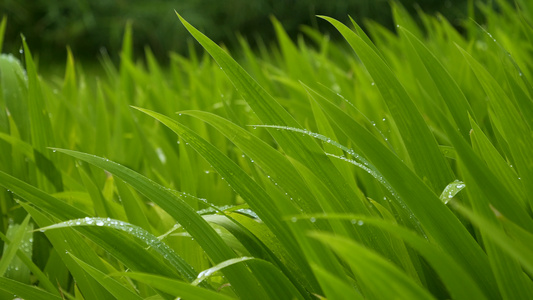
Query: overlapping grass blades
[{"x": 296, "y": 172}]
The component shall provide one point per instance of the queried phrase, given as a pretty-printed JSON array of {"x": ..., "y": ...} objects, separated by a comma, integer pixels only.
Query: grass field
[{"x": 398, "y": 166}]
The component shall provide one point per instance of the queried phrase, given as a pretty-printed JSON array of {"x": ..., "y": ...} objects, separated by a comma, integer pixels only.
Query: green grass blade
[
  {"x": 436, "y": 219},
  {"x": 206, "y": 236},
  {"x": 247, "y": 188},
  {"x": 176, "y": 288},
  {"x": 113, "y": 286},
  {"x": 514, "y": 248},
  {"x": 133, "y": 205},
  {"x": 152, "y": 241},
  {"x": 69, "y": 241},
  {"x": 508, "y": 121},
  {"x": 382, "y": 279},
  {"x": 272, "y": 113},
  {"x": 334, "y": 287},
  {"x": 421, "y": 145},
  {"x": 16, "y": 241},
  {"x": 44, "y": 280},
  {"x": 25, "y": 291},
  {"x": 451, "y": 94}
]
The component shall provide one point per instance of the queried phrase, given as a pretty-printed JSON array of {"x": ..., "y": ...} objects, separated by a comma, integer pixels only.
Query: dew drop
[
  {"x": 360, "y": 223},
  {"x": 373, "y": 83},
  {"x": 99, "y": 223},
  {"x": 312, "y": 219},
  {"x": 294, "y": 219}
]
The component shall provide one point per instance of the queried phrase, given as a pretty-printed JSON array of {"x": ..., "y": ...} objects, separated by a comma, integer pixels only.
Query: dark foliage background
[{"x": 88, "y": 26}]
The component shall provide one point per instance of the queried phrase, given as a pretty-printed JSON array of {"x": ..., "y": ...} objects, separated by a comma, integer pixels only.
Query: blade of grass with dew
[
  {"x": 271, "y": 112},
  {"x": 275, "y": 282},
  {"x": 174, "y": 287},
  {"x": 240, "y": 277},
  {"x": 271, "y": 161},
  {"x": 381, "y": 279},
  {"x": 152, "y": 241},
  {"x": 451, "y": 94},
  {"x": 509, "y": 276},
  {"x": 497, "y": 164},
  {"x": 25, "y": 291},
  {"x": 128, "y": 252},
  {"x": 114, "y": 287},
  {"x": 436, "y": 219},
  {"x": 509, "y": 121},
  {"x": 421, "y": 145},
  {"x": 69, "y": 241},
  {"x": 246, "y": 187},
  {"x": 266, "y": 247},
  {"x": 44, "y": 281},
  {"x": 16, "y": 241}
]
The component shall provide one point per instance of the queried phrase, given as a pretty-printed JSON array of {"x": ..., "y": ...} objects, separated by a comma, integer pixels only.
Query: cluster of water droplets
[
  {"x": 451, "y": 190},
  {"x": 149, "y": 239}
]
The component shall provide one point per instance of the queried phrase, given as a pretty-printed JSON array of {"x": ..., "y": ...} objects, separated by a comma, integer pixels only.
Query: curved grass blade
[
  {"x": 458, "y": 282},
  {"x": 113, "y": 286},
  {"x": 241, "y": 278},
  {"x": 421, "y": 145},
  {"x": 436, "y": 219},
  {"x": 451, "y": 94},
  {"x": 380, "y": 278},
  {"x": 44, "y": 281},
  {"x": 11, "y": 251},
  {"x": 151, "y": 240},
  {"x": 270, "y": 111},
  {"x": 514, "y": 248},
  {"x": 334, "y": 287},
  {"x": 248, "y": 189},
  {"x": 25, "y": 291},
  {"x": 174, "y": 287},
  {"x": 128, "y": 252}
]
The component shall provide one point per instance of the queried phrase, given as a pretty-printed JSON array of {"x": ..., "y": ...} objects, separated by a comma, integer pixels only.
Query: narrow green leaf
[
  {"x": 25, "y": 291},
  {"x": 113, "y": 286},
  {"x": 174, "y": 287},
  {"x": 436, "y": 219},
  {"x": 16, "y": 242},
  {"x": 152, "y": 241},
  {"x": 421, "y": 145},
  {"x": 218, "y": 251},
  {"x": 382, "y": 279}
]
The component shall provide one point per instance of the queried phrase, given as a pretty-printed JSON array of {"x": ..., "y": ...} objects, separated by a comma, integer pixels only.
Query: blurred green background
[{"x": 92, "y": 26}]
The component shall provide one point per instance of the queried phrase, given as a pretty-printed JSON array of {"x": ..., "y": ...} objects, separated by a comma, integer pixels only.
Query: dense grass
[{"x": 402, "y": 170}]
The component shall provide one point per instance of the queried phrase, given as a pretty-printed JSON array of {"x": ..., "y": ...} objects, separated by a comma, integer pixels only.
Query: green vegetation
[{"x": 301, "y": 172}]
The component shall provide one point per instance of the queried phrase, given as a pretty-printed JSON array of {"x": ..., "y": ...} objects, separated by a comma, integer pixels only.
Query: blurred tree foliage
[{"x": 88, "y": 26}]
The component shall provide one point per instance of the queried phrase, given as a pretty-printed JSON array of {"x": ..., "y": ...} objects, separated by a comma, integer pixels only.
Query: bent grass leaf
[
  {"x": 174, "y": 287},
  {"x": 151, "y": 240},
  {"x": 420, "y": 143},
  {"x": 435, "y": 218},
  {"x": 381, "y": 279},
  {"x": 25, "y": 291},
  {"x": 240, "y": 278},
  {"x": 113, "y": 286}
]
